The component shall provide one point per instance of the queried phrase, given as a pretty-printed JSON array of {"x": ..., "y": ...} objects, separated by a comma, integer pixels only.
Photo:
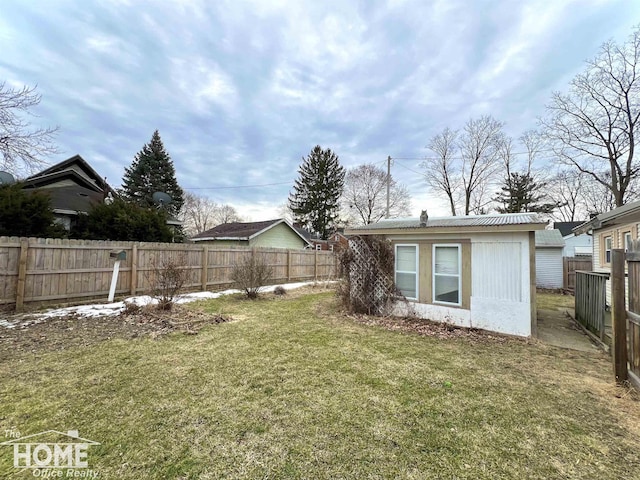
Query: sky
[{"x": 241, "y": 91}]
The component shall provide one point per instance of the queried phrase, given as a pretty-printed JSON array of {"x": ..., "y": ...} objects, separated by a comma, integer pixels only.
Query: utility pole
[{"x": 388, "y": 182}]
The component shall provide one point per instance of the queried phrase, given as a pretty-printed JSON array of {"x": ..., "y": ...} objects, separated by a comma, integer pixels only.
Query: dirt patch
[
  {"x": 428, "y": 328},
  {"x": 58, "y": 333}
]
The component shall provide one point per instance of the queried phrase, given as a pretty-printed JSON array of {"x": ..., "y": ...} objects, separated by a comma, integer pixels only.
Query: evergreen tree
[
  {"x": 152, "y": 171},
  {"x": 27, "y": 214},
  {"x": 124, "y": 221},
  {"x": 316, "y": 193},
  {"x": 521, "y": 193}
]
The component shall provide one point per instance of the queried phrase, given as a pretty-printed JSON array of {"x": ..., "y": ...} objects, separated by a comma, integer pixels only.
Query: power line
[{"x": 239, "y": 186}]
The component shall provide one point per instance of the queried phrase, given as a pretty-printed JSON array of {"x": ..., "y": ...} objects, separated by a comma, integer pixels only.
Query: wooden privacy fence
[
  {"x": 36, "y": 270},
  {"x": 570, "y": 266},
  {"x": 626, "y": 323},
  {"x": 633, "y": 315},
  {"x": 590, "y": 301}
]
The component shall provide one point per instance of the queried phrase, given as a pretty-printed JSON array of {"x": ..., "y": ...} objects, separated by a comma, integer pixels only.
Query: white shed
[
  {"x": 469, "y": 271},
  {"x": 549, "y": 246}
]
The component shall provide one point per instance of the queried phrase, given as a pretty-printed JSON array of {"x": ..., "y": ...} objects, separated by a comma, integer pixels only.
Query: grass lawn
[
  {"x": 293, "y": 389},
  {"x": 554, "y": 301}
]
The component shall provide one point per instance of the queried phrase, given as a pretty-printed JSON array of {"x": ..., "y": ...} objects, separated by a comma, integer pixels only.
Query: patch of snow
[{"x": 113, "y": 309}]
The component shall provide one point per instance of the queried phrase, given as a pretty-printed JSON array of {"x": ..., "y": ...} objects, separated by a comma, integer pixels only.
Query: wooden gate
[
  {"x": 570, "y": 266},
  {"x": 633, "y": 314},
  {"x": 626, "y": 322}
]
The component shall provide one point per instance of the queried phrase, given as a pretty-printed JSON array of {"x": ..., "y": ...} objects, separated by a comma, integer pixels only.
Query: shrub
[
  {"x": 167, "y": 277},
  {"x": 252, "y": 273},
  {"x": 120, "y": 220},
  {"x": 27, "y": 213}
]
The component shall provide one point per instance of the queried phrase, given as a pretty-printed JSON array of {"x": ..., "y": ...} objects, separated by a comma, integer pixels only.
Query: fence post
[
  {"x": 618, "y": 316},
  {"x": 205, "y": 267},
  {"x": 134, "y": 268},
  {"x": 22, "y": 274},
  {"x": 288, "y": 265},
  {"x": 315, "y": 267}
]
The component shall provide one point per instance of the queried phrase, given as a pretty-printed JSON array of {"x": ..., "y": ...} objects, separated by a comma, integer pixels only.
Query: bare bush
[
  {"x": 279, "y": 290},
  {"x": 251, "y": 274},
  {"x": 167, "y": 278}
]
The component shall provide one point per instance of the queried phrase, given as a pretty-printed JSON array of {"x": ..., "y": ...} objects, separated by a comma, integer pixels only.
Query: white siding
[
  {"x": 496, "y": 271},
  {"x": 571, "y": 242},
  {"x": 549, "y": 267}
]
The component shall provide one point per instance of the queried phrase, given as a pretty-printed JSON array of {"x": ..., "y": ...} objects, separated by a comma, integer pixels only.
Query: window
[
  {"x": 628, "y": 241},
  {"x": 407, "y": 270},
  {"x": 446, "y": 274},
  {"x": 607, "y": 249}
]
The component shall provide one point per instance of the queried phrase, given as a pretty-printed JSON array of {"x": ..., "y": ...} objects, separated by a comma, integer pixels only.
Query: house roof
[
  {"x": 75, "y": 164},
  {"x": 549, "y": 239},
  {"x": 242, "y": 230},
  {"x": 626, "y": 213},
  {"x": 501, "y": 221},
  {"x": 566, "y": 228},
  {"x": 72, "y": 185}
]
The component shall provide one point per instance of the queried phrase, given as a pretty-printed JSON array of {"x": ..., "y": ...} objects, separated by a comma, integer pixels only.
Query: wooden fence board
[{"x": 62, "y": 270}]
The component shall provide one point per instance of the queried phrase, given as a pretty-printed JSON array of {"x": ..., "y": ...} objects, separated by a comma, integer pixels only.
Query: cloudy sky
[{"x": 242, "y": 90}]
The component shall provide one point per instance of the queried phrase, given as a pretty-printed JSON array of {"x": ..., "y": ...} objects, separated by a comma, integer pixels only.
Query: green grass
[
  {"x": 292, "y": 389},
  {"x": 554, "y": 301}
]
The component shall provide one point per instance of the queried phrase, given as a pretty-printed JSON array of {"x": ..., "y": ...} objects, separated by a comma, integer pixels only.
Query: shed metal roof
[
  {"x": 491, "y": 220},
  {"x": 549, "y": 239}
]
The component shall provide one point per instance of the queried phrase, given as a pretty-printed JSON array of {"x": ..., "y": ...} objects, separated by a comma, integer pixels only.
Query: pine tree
[
  {"x": 521, "y": 193},
  {"x": 152, "y": 171},
  {"x": 316, "y": 193}
]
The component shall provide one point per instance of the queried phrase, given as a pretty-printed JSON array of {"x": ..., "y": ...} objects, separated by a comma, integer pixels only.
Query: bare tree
[
  {"x": 285, "y": 212},
  {"x": 200, "y": 214},
  {"x": 227, "y": 214},
  {"x": 480, "y": 144},
  {"x": 534, "y": 143},
  {"x": 441, "y": 172},
  {"x": 597, "y": 198},
  {"x": 21, "y": 146},
  {"x": 364, "y": 198},
  {"x": 593, "y": 127},
  {"x": 566, "y": 189}
]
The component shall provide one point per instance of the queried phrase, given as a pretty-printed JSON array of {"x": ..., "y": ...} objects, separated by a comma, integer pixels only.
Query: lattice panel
[{"x": 371, "y": 288}]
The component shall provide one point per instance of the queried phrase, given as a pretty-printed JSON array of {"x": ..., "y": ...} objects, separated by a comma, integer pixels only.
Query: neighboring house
[
  {"x": 471, "y": 271},
  {"x": 73, "y": 186},
  {"x": 610, "y": 230},
  {"x": 334, "y": 243},
  {"x": 574, "y": 245},
  {"x": 271, "y": 233},
  {"x": 338, "y": 241},
  {"x": 549, "y": 263}
]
